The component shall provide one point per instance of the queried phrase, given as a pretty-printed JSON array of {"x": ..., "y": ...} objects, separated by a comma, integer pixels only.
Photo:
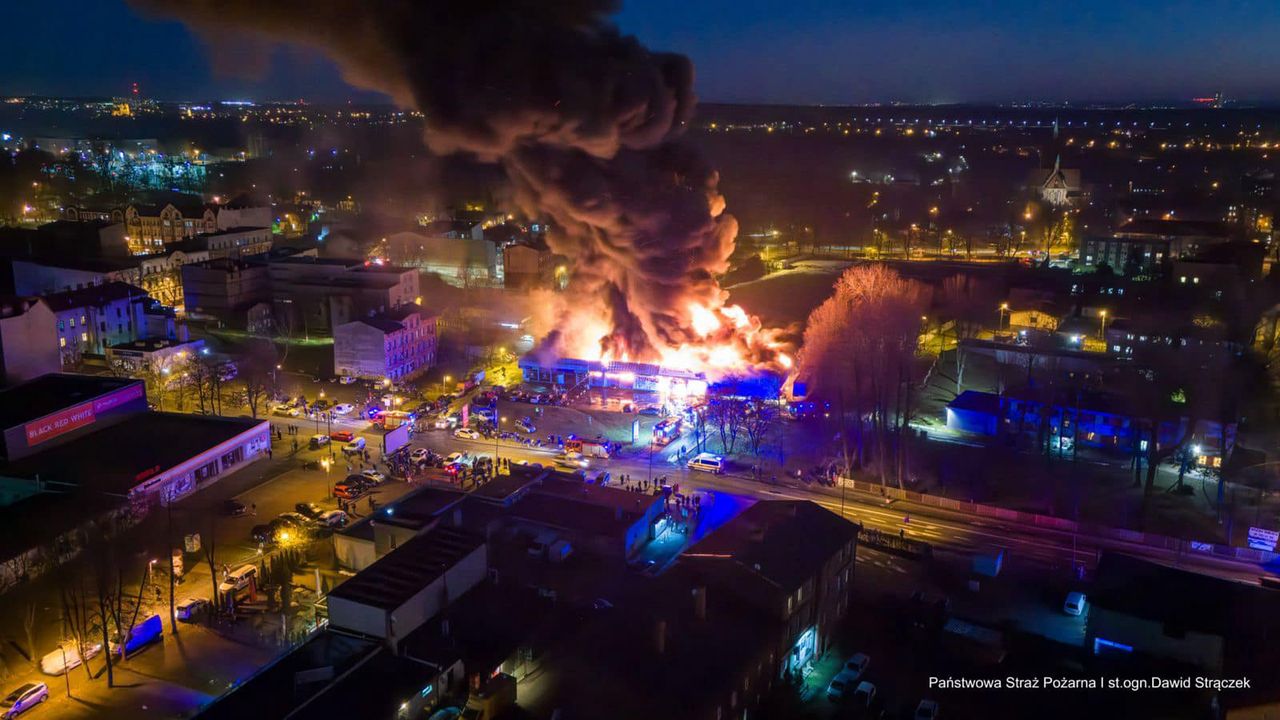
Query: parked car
[
  {"x": 319, "y": 441},
  {"x": 652, "y": 411},
  {"x": 377, "y": 477},
  {"x": 66, "y": 656},
  {"x": 420, "y": 455},
  {"x": 147, "y": 631},
  {"x": 233, "y": 508},
  {"x": 926, "y": 710},
  {"x": 707, "y": 462},
  {"x": 263, "y": 534},
  {"x": 190, "y": 609},
  {"x": 857, "y": 665},
  {"x": 333, "y": 519},
  {"x": 342, "y": 435},
  {"x": 348, "y": 491},
  {"x": 346, "y": 380},
  {"x": 455, "y": 458},
  {"x": 466, "y": 434},
  {"x": 1075, "y": 604},
  {"x": 343, "y": 409},
  {"x": 238, "y": 579},
  {"x": 864, "y": 695},
  {"x": 24, "y": 698},
  {"x": 295, "y": 519},
  {"x": 354, "y": 446},
  {"x": 309, "y": 509},
  {"x": 839, "y": 686},
  {"x": 526, "y": 425}
]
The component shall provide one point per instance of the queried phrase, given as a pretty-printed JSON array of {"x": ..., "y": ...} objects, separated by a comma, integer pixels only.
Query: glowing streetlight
[
  {"x": 1103, "y": 315},
  {"x": 1004, "y": 308}
]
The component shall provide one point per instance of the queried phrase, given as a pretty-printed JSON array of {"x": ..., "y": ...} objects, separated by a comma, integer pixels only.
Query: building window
[
  {"x": 84, "y": 337},
  {"x": 62, "y": 342},
  {"x": 62, "y": 325}
]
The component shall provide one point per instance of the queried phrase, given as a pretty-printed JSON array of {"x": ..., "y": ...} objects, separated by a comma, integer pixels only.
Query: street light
[
  {"x": 326, "y": 463},
  {"x": 1103, "y": 332},
  {"x": 1004, "y": 308},
  {"x": 444, "y": 384}
]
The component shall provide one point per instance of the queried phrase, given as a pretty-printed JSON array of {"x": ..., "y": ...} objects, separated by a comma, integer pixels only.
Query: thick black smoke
[{"x": 584, "y": 119}]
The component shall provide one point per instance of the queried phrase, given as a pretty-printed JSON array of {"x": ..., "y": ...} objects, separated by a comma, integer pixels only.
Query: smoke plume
[{"x": 585, "y": 121}]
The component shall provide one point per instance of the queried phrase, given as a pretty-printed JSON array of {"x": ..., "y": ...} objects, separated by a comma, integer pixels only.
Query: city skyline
[{"x": 811, "y": 53}]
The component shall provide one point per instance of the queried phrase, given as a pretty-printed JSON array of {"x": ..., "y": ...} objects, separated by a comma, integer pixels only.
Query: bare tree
[
  {"x": 256, "y": 370},
  {"x": 859, "y": 352}
]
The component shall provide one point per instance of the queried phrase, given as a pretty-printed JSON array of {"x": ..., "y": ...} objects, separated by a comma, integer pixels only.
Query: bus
[{"x": 666, "y": 431}]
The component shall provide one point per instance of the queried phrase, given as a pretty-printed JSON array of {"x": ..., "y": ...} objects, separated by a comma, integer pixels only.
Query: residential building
[
  {"x": 1148, "y": 247},
  {"x": 92, "y": 318},
  {"x": 238, "y": 241},
  {"x": 225, "y": 289},
  {"x": 312, "y": 296},
  {"x": 150, "y": 227},
  {"x": 399, "y": 344},
  {"x": 28, "y": 339},
  {"x": 244, "y": 211}
]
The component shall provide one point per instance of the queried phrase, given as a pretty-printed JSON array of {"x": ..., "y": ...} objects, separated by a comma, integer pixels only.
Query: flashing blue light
[
  {"x": 1100, "y": 644},
  {"x": 427, "y": 690},
  {"x": 391, "y": 511}
]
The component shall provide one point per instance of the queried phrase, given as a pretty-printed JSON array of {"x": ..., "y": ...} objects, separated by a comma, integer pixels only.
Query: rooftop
[
  {"x": 976, "y": 401},
  {"x": 153, "y": 344},
  {"x": 50, "y": 393},
  {"x": 116, "y": 458},
  {"x": 96, "y": 295},
  {"x": 399, "y": 575},
  {"x": 294, "y": 679},
  {"x": 419, "y": 508},
  {"x": 784, "y": 541}
]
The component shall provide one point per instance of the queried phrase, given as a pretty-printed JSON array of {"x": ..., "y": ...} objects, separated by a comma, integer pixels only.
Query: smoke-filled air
[{"x": 587, "y": 124}]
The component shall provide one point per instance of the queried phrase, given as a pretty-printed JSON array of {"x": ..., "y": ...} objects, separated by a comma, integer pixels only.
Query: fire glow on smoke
[{"x": 586, "y": 123}]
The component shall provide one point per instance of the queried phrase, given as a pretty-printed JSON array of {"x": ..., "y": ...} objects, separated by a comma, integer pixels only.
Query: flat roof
[
  {"x": 152, "y": 344},
  {"x": 294, "y": 678},
  {"x": 50, "y": 393},
  {"x": 405, "y": 571},
  {"x": 613, "y": 498},
  {"x": 783, "y": 541},
  {"x": 420, "y": 507},
  {"x": 119, "y": 457}
]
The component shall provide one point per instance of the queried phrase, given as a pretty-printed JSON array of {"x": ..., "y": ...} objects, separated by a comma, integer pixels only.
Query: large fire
[{"x": 725, "y": 340}]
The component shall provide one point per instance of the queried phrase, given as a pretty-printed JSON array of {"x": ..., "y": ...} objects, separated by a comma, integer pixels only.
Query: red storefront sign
[
  {"x": 86, "y": 413},
  {"x": 50, "y": 427}
]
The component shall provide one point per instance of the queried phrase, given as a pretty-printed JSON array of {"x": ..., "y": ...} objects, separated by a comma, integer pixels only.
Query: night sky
[{"x": 780, "y": 51}]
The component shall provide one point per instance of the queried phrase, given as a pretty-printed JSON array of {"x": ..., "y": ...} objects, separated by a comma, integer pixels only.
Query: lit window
[
  {"x": 62, "y": 342},
  {"x": 84, "y": 337}
]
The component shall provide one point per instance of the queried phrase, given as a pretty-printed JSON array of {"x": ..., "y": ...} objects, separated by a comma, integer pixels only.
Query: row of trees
[{"x": 206, "y": 381}]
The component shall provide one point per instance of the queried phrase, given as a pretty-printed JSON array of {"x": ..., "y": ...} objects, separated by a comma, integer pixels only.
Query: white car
[
  {"x": 343, "y": 409},
  {"x": 333, "y": 519},
  {"x": 24, "y": 698},
  {"x": 1075, "y": 604},
  {"x": 926, "y": 710},
  {"x": 374, "y": 475},
  {"x": 526, "y": 425},
  {"x": 191, "y": 608},
  {"x": 466, "y": 434},
  {"x": 840, "y": 686},
  {"x": 857, "y": 665},
  {"x": 419, "y": 454},
  {"x": 456, "y": 458},
  {"x": 65, "y": 656}
]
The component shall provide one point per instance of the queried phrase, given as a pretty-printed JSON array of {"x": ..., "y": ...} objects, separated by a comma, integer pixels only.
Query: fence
[{"x": 1191, "y": 547}]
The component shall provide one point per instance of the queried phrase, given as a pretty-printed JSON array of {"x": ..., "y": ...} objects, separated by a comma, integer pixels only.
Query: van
[
  {"x": 706, "y": 462},
  {"x": 355, "y": 446},
  {"x": 319, "y": 441},
  {"x": 238, "y": 579},
  {"x": 144, "y": 633}
]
